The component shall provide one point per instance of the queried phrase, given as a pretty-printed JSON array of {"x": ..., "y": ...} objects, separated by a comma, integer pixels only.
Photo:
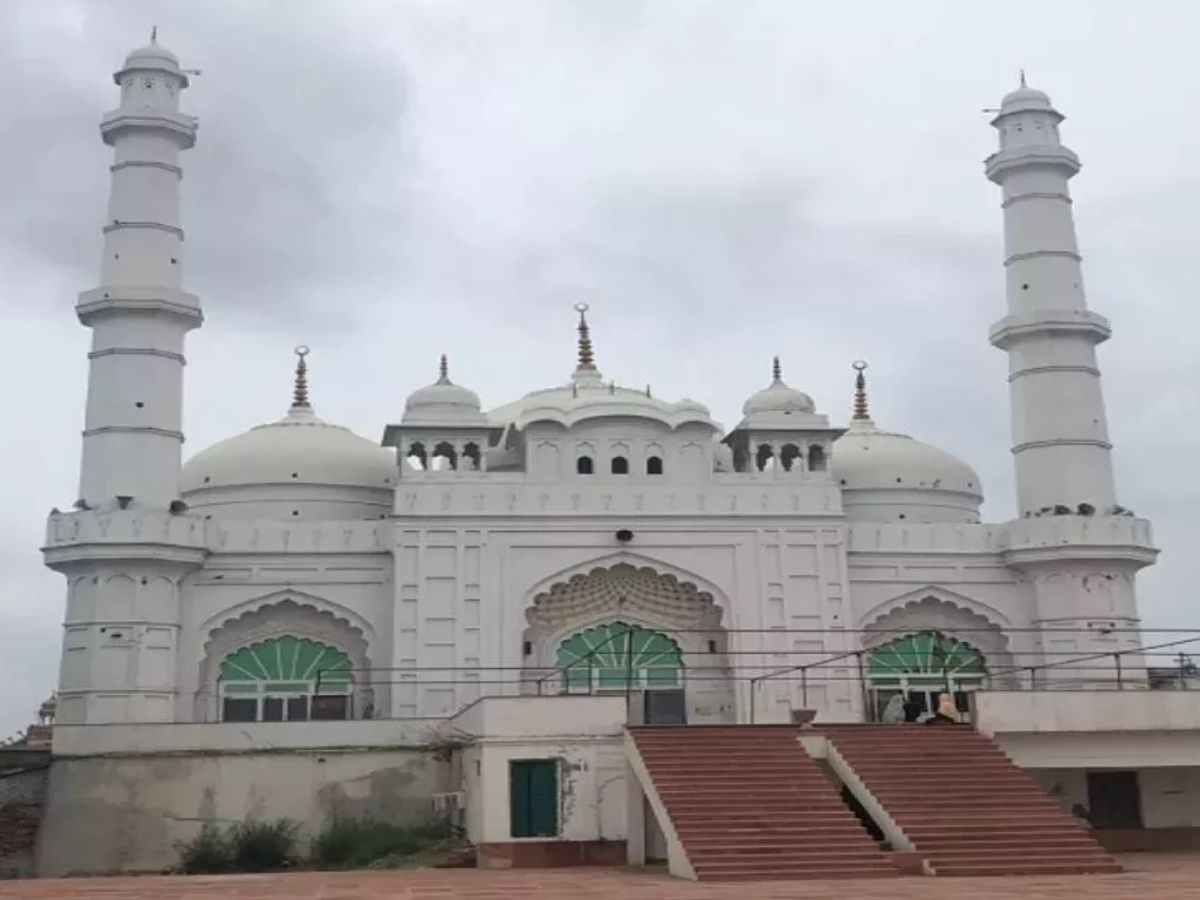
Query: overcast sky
[{"x": 721, "y": 181}]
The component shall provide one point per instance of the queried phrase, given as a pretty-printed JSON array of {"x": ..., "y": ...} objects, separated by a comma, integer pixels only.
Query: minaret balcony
[
  {"x": 115, "y": 298},
  {"x": 1001, "y": 163},
  {"x": 1012, "y": 329},
  {"x": 181, "y": 125}
]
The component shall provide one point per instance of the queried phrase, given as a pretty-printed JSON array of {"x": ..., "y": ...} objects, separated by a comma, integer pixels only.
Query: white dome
[
  {"x": 886, "y": 476},
  {"x": 778, "y": 406},
  {"x": 298, "y": 465},
  {"x": 1024, "y": 99},
  {"x": 779, "y": 399},
  {"x": 587, "y": 400},
  {"x": 152, "y": 56},
  {"x": 443, "y": 403}
]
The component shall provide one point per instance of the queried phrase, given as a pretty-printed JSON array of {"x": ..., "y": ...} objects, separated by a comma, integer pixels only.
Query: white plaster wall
[
  {"x": 585, "y": 734},
  {"x": 1170, "y": 795},
  {"x": 998, "y": 713}
]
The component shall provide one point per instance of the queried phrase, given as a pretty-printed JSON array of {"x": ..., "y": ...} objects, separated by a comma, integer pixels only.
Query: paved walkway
[{"x": 1150, "y": 877}]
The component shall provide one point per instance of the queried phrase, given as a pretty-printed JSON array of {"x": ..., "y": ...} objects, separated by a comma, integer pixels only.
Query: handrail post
[
  {"x": 862, "y": 683},
  {"x": 1120, "y": 682},
  {"x": 753, "y": 693},
  {"x": 804, "y": 686}
]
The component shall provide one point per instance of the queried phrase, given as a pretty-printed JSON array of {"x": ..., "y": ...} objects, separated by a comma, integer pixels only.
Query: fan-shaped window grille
[
  {"x": 276, "y": 681},
  {"x": 614, "y": 656},
  {"x": 926, "y": 657}
]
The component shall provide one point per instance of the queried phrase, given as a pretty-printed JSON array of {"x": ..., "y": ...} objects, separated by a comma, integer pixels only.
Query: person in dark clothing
[{"x": 912, "y": 708}]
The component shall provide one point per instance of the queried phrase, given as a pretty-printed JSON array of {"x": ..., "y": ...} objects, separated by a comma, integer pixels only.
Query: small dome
[
  {"x": 777, "y": 405},
  {"x": 298, "y": 449},
  {"x": 443, "y": 403},
  {"x": 152, "y": 56},
  {"x": 885, "y": 476},
  {"x": 1025, "y": 99},
  {"x": 778, "y": 398}
]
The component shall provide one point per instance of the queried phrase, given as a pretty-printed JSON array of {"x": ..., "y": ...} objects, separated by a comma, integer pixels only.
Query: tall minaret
[
  {"x": 132, "y": 438},
  {"x": 1060, "y": 435},
  {"x": 1075, "y": 550},
  {"x": 128, "y": 546}
]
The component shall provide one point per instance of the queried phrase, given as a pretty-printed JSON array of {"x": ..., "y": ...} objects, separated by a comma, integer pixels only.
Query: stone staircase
[
  {"x": 748, "y": 803},
  {"x": 963, "y": 805}
]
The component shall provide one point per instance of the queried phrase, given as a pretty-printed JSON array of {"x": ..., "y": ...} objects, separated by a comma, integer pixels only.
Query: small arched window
[
  {"x": 654, "y": 465},
  {"x": 788, "y": 456},
  {"x": 816, "y": 458},
  {"x": 764, "y": 458},
  {"x": 620, "y": 465},
  {"x": 583, "y": 465}
]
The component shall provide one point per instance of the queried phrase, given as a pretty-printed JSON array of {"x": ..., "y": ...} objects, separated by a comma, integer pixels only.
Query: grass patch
[
  {"x": 363, "y": 843},
  {"x": 248, "y": 846}
]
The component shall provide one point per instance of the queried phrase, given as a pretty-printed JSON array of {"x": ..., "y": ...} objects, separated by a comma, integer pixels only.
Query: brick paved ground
[{"x": 1150, "y": 877}]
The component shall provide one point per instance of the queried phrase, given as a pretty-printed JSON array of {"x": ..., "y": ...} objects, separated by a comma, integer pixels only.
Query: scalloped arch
[
  {"x": 703, "y": 587},
  {"x": 942, "y": 595},
  {"x": 352, "y": 619}
]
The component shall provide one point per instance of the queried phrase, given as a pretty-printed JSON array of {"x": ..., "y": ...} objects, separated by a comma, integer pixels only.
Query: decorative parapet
[
  {"x": 123, "y": 534},
  {"x": 1021, "y": 540},
  {"x": 113, "y": 534},
  {"x": 733, "y": 495},
  {"x": 1054, "y": 538}
]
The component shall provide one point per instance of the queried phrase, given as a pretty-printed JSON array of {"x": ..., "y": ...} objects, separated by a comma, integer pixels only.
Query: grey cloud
[{"x": 722, "y": 180}]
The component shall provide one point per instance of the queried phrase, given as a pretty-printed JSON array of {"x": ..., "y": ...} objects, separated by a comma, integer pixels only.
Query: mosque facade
[{"x": 586, "y": 537}]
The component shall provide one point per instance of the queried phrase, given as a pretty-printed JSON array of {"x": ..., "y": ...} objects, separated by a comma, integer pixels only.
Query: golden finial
[
  {"x": 587, "y": 360},
  {"x": 776, "y": 369},
  {"x": 860, "y": 391},
  {"x": 443, "y": 371},
  {"x": 300, "y": 393}
]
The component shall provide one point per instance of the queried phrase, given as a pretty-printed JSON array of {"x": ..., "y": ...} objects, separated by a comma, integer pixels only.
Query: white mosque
[{"x": 582, "y": 539}]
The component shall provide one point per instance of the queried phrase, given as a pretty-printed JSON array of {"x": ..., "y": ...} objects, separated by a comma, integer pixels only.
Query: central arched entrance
[
  {"x": 631, "y": 629},
  {"x": 921, "y": 666}
]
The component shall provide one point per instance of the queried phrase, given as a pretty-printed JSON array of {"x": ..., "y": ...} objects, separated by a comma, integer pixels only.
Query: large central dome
[{"x": 298, "y": 467}]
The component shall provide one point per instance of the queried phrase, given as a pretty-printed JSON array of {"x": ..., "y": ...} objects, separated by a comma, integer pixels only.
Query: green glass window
[
  {"x": 274, "y": 681},
  {"x": 615, "y": 655},
  {"x": 925, "y": 656}
]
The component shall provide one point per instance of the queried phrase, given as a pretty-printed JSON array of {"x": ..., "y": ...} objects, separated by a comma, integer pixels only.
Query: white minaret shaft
[
  {"x": 1060, "y": 435},
  {"x": 132, "y": 439}
]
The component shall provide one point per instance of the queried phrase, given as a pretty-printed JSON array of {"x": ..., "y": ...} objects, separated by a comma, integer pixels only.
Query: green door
[{"x": 533, "y": 795}]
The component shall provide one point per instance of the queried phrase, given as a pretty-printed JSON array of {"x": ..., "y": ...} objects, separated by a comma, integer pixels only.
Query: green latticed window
[
  {"x": 614, "y": 656},
  {"x": 927, "y": 656},
  {"x": 276, "y": 680}
]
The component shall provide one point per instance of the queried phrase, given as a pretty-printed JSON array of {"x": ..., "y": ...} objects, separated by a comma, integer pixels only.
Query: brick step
[
  {"x": 685, "y": 752},
  {"x": 1014, "y": 838},
  {"x": 984, "y": 869},
  {"x": 966, "y": 831},
  {"x": 752, "y": 780},
  {"x": 750, "y": 812},
  {"x": 802, "y": 830},
  {"x": 1010, "y": 853},
  {"x": 913, "y": 821},
  {"x": 952, "y": 804},
  {"x": 700, "y": 854},
  {"x": 735, "y": 790},
  {"x": 949, "y": 766},
  {"x": 783, "y": 871}
]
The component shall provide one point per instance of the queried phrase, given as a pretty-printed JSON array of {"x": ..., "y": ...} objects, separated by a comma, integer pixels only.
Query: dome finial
[
  {"x": 300, "y": 392},
  {"x": 860, "y": 392},
  {"x": 154, "y": 34},
  {"x": 776, "y": 369},
  {"x": 443, "y": 371},
  {"x": 587, "y": 360},
  {"x": 1023, "y": 84}
]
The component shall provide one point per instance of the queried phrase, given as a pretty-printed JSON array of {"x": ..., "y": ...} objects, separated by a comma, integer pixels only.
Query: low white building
[{"x": 585, "y": 538}]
